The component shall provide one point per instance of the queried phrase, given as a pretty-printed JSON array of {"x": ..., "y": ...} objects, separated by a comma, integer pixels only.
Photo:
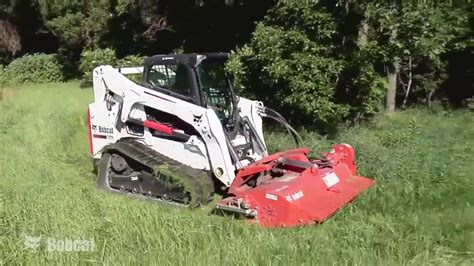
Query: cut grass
[{"x": 420, "y": 211}]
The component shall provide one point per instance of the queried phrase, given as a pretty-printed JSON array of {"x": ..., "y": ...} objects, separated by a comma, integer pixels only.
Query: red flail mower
[{"x": 288, "y": 189}]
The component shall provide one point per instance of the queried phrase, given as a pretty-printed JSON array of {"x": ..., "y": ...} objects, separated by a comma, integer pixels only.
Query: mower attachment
[{"x": 288, "y": 189}]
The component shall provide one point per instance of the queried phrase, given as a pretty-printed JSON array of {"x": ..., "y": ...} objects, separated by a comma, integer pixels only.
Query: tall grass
[{"x": 420, "y": 211}]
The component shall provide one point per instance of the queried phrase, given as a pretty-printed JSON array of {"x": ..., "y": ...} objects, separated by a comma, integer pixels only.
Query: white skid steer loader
[{"x": 181, "y": 134}]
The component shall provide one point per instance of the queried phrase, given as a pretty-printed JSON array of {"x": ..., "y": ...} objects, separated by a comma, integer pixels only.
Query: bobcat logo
[
  {"x": 32, "y": 242},
  {"x": 197, "y": 118}
]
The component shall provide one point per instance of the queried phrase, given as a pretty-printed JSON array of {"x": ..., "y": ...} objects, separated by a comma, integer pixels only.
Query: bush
[
  {"x": 2, "y": 73},
  {"x": 131, "y": 61},
  {"x": 295, "y": 62},
  {"x": 91, "y": 59},
  {"x": 37, "y": 68}
]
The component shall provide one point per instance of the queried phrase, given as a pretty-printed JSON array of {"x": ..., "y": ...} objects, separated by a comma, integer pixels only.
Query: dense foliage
[
  {"x": 94, "y": 58},
  {"x": 128, "y": 27},
  {"x": 2, "y": 75},
  {"x": 317, "y": 61},
  {"x": 329, "y": 61},
  {"x": 37, "y": 68},
  {"x": 295, "y": 60},
  {"x": 415, "y": 38}
]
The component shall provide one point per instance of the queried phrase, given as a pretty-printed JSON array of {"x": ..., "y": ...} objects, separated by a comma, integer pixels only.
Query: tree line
[{"x": 317, "y": 60}]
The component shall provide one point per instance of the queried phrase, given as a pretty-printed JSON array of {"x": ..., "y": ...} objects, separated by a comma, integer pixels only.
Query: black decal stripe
[
  {"x": 157, "y": 96},
  {"x": 99, "y": 136}
]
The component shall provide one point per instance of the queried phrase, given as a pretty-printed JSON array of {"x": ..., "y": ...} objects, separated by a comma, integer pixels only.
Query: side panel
[
  {"x": 102, "y": 127},
  {"x": 187, "y": 153}
]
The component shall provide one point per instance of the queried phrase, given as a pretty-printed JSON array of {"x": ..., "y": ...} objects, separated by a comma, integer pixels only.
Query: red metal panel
[
  {"x": 308, "y": 197},
  {"x": 89, "y": 133}
]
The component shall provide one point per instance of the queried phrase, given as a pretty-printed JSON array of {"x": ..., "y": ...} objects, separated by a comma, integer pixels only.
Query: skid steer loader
[{"x": 180, "y": 134}]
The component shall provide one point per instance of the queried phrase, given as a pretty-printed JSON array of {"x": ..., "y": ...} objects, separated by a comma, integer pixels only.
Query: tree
[
  {"x": 304, "y": 58},
  {"x": 150, "y": 27},
  {"x": 9, "y": 37},
  {"x": 20, "y": 25},
  {"x": 411, "y": 39}
]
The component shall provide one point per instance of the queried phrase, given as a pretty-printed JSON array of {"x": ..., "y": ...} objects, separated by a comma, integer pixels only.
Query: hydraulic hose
[{"x": 272, "y": 114}]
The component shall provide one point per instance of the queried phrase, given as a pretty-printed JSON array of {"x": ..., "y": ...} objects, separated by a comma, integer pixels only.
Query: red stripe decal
[
  {"x": 99, "y": 136},
  {"x": 158, "y": 127},
  {"x": 91, "y": 148}
]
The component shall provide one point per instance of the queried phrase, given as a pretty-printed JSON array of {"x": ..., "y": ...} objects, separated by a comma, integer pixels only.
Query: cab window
[{"x": 175, "y": 78}]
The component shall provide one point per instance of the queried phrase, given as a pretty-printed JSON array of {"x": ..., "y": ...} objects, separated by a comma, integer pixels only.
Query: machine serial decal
[
  {"x": 271, "y": 196},
  {"x": 99, "y": 136},
  {"x": 331, "y": 179},
  {"x": 295, "y": 196}
]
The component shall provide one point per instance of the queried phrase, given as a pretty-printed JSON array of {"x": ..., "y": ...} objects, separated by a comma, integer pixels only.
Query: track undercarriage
[{"x": 132, "y": 168}]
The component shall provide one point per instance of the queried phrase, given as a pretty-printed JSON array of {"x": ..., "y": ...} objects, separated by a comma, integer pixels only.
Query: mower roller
[{"x": 181, "y": 134}]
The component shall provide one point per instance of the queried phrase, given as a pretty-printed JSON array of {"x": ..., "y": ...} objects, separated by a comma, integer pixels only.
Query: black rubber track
[{"x": 198, "y": 182}]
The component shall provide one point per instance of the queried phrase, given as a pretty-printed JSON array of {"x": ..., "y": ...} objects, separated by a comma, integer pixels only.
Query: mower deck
[{"x": 288, "y": 189}]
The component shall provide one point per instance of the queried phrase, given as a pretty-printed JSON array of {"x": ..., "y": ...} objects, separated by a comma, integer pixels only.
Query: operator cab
[{"x": 196, "y": 78}]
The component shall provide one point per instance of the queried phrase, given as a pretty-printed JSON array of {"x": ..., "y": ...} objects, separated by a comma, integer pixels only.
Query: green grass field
[{"x": 420, "y": 211}]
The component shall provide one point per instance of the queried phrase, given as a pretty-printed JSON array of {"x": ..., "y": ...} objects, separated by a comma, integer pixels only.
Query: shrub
[
  {"x": 2, "y": 73},
  {"x": 37, "y": 68},
  {"x": 91, "y": 59},
  {"x": 295, "y": 62},
  {"x": 94, "y": 58},
  {"x": 131, "y": 61},
  {"x": 283, "y": 66}
]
